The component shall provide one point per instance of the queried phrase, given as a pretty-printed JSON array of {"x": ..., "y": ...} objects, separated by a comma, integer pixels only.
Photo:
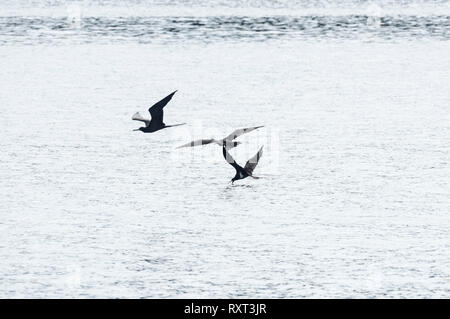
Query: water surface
[{"x": 354, "y": 195}]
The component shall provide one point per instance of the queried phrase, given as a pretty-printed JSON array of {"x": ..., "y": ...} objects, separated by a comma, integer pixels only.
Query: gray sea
[{"x": 353, "y": 199}]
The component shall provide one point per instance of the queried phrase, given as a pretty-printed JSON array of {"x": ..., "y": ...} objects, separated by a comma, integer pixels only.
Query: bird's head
[{"x": 231, "y": 144}]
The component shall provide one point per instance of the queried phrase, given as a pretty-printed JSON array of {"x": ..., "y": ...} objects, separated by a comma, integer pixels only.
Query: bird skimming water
[
  {"x": 247, "y": 170},
  {"x": 228, "y": 141},
  {"x": 157, "y": 113}
]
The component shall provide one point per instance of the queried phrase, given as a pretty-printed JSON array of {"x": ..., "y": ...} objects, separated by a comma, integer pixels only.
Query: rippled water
[
  {"x": 36, "y": 30},
  {"x": 353, "y": 199}
]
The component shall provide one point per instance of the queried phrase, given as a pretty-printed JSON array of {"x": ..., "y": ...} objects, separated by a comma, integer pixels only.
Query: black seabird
[
  {"x": 247, "y": 170},
  {"x": 157, "y": 113},
  {"x": 227, "y": 141}
]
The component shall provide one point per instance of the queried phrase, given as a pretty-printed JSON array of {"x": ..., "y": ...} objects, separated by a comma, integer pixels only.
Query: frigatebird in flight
[
  {"x": 157, "y": 113},
  {"x": 247, "y": 170},
  {"x": 228, "y": 141}
]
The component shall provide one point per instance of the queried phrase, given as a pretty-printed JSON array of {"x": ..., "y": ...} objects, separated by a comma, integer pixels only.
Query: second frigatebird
[{"x": 228, "y": 141}]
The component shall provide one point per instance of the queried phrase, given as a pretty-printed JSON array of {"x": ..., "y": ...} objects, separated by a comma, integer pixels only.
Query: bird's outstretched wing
[
  {"x": 230, "y": 159},
  {"x": 156, "y": 110},
  {"x": 197, "y": 142},
  {"x": 138, "y": 117},
  {"x": 241, "y": 131},
  {"x": 252, "y": 162}
]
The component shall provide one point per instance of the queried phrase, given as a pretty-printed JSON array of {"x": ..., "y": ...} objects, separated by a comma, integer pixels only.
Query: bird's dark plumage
[
  {"x": 157, "y": 113},
  {"x": 252, "y": 162},
  {"x": 247, "y": 170},
  {"x": 227, "y": 141},
  {"x": 240, "y": 131},
  {"x": 198, "y": 142}
]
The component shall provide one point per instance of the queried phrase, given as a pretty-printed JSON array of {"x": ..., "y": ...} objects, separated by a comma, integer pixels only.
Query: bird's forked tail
[{"x": 175, "y": 125}]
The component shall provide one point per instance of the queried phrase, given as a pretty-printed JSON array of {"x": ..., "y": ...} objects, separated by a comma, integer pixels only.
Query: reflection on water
[{"x": 31, "y": 30}]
